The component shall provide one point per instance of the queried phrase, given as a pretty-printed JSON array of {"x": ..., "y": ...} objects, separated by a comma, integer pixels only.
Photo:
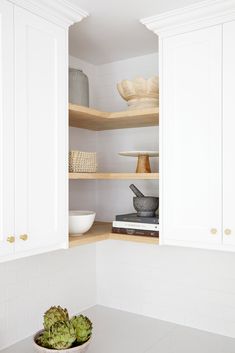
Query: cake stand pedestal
[{"x": 143, "y": 163}]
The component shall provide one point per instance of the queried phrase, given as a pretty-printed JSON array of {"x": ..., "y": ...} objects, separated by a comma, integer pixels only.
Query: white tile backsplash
[
  {"x": 187, "y": 286},
  {"x": 30, "y": 286}
]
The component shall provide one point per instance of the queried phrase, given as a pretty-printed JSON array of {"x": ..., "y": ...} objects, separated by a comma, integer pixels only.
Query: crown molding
[
  {"x": 61, "y": 12},
  {"x": 204, "y": 14}
]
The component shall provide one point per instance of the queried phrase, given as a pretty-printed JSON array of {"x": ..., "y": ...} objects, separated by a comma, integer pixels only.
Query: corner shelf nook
[{"x": 95, "y": 120}]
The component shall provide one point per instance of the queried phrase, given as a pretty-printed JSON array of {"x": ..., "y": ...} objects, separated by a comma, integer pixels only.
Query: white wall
[
  {"x": 30, "y": 286},
  {"x": 108, "y": 75}
]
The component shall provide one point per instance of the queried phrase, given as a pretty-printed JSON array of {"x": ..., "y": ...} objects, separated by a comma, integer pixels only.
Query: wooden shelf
[
  {"x": 98, "y": 232},
  {"x": 102, "y": 231},
  {"x": 114, "y": 176},
  {"x": 134, "y": 238},
  {"x": 92, "y": 119}
]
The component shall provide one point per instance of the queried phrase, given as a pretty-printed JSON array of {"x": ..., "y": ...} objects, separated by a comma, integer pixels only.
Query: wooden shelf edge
[
  {"x": 93, "y": 119},
  {"x": 88, "y": 111},
  {"x": 102, "y": 231},
  {"x": 113, "y": 176},
  {"x": 84, "y": 239},
  {"x": 134, "y": 238}
]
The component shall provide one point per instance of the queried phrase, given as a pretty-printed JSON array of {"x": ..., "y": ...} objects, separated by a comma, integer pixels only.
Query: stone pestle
[{"x": 136, "y": 191}]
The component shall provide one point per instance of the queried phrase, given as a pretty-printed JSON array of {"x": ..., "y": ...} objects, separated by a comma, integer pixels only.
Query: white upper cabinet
[
  {"x": 228, "y": 134},
  {"x": 197, "y": 123},
  {"x": 6, "y": 129},
  {"x": 191, "y": 138},
  {"x": 34, "y": 126},
  {"x": 40, "y": 133}
]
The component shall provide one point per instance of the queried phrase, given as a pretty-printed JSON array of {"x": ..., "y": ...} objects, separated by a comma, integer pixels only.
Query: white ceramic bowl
[
  {"x": 79, "y": 349},
  {"x": 80, "y": 221}
]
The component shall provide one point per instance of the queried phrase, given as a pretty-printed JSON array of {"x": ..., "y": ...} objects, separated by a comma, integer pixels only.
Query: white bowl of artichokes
[{"x": 69, "y": 335}]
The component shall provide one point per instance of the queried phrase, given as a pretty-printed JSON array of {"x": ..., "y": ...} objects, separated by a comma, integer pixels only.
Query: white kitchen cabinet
[
  {"x": 228, "y": 134},
  {"x": 197, "y": 110},
  {"x": 191, "y": 138},
  {"x": 40, "y": 133},
  {"x": 33, "y": 126},
  {"x": 6, "y": 129}
]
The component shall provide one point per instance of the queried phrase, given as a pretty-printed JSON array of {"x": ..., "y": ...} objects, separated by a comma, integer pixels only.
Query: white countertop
[{"x": 117, "y": 331}]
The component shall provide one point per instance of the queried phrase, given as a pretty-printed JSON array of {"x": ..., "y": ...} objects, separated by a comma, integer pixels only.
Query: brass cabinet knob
[
  {"x": 227, "y": 231},
  {"x": 11, "y": 239},
  {"x": 213, "y": 231},
  {"x": 24, "y": 237}
]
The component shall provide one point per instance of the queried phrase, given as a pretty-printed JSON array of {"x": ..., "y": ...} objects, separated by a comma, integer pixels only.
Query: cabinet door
[
  {"x": 228, "y": 134},
  {"x": 191, "y": 139},
  {"x": 40, "y": 133},
  {"x": 6, "y": 129}
]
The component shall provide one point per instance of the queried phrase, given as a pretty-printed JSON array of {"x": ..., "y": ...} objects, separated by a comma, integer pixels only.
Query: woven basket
[{"x": 82, "y": 162}]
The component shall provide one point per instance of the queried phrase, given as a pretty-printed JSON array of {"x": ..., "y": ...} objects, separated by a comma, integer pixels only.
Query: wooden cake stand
[{"x": 143, "y": 164}]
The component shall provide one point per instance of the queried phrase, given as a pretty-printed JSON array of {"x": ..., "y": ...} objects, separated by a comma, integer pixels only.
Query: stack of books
[{"x": 132, "y": 224}]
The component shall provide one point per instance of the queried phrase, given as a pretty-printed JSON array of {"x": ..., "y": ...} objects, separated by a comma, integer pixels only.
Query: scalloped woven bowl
[
  {"x": 140, "y": 93},
  {"x": 79, "y": 349}
]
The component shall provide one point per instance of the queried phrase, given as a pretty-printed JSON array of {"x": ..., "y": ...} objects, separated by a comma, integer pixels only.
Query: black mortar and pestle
[{"x": 146, "y": 206}]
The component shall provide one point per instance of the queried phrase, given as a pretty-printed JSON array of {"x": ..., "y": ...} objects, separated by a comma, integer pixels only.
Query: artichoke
[
  {"x": 61, "y": 335},
  {"x": 54, "y": 314},
  {"x": 83, "y": 328},
  {"x": 42, "y": 340}
]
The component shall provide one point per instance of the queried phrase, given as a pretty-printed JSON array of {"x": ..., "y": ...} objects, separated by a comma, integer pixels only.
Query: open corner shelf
[
  {"x": 92, "y": 119},
  {"x": 102, "y": 231},
  {"x": 113, "y": 176}
]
